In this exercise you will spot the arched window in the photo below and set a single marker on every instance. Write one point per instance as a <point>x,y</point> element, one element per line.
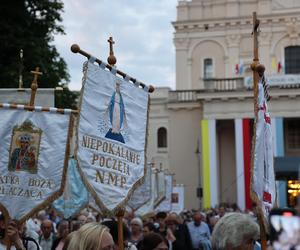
<point>208,68</point>
<point>292,59</point>
<point>162,138</point>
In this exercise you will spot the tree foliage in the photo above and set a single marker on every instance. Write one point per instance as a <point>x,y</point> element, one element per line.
<point>30,25</point>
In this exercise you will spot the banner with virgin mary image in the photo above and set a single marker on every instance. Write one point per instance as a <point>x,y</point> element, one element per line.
<point>111,136</point>
<point>33,153</point>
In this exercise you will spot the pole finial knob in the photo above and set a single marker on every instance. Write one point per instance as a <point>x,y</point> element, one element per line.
<point>260,69</point>
<point>75,48</point>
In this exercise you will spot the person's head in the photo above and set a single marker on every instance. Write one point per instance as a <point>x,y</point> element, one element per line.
<point>63,229</point>
<point>160,218</point>
<point>154,241</point>
<point>172,221</point>
<point>136,225</point>
<point>46,228</point>
<point>197,217</point>
<point>222,211</point>
<point>24,140</point>
<point>235,231</point>
<point>148,227</point>
<point>90,218</point>
<point>82,219</point>
<point>91,236</point>
<point>42,215</point>
<point>112,225</point>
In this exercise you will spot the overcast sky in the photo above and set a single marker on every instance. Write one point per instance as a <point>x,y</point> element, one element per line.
<point>142,31</point>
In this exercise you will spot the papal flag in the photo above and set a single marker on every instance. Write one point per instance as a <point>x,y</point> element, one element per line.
<point>263,179</point>
<point>33,158</point>
<point>111,135</point>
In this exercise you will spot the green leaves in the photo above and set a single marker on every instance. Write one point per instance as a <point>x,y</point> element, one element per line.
<point>30,25</point>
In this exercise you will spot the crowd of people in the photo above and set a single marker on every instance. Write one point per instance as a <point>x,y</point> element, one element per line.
<point>219,229</point>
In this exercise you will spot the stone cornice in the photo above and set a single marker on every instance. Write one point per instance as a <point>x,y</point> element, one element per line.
<point>184,105</point>
<point>217,23</point>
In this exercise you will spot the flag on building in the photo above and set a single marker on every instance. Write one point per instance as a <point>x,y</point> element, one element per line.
<point>111,135</point>
<point>237,69</point>
<point>274,64</point>
<point>33,158</point>
<point>241,67</point>
<point>279,67</point>
<point>263,178</point>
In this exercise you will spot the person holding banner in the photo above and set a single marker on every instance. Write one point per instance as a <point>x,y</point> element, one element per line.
<point>13,236</point>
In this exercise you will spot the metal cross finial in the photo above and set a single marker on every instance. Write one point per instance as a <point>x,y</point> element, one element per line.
<point>21,71</point>
<point>34,85</point>
<point>111,59</point>
<point>111,43</point>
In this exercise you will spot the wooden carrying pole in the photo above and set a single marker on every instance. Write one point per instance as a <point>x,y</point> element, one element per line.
<point>257,73</point>
<point>120,214</point>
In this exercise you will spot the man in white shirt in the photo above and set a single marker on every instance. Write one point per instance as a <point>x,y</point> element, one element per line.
<point>46,239</point>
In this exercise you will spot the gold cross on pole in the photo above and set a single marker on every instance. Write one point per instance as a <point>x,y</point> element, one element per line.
<point>34,85</point>
<point>111,59</point>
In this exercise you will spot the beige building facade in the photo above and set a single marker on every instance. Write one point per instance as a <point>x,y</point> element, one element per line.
<point>201,131</point>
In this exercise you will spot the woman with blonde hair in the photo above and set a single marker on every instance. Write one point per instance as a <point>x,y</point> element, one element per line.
<point>91,236</point>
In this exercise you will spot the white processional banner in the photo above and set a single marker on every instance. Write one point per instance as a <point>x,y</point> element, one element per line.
<point>33,159</point>
<point>166,204</point>
<point>161,188</point>
<point>112,130</point>
<point>148,208</point>
<point>263,179</point>
<point>178,199</point>
<point>142,194</point>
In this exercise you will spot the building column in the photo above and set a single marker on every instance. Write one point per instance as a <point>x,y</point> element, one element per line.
<point>247,161</point>
<point>209,163</point>
<point>279,137</point>
<point>239,158</point>
<point>278,149</point>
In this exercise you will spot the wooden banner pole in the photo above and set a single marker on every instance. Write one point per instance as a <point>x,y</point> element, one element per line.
<point>120,215</point>
<point>257,71</point>
<point>76,49</point>
<point>34,85</point>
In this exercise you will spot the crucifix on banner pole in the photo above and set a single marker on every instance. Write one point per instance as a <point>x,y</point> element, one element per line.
<point>36,73</point>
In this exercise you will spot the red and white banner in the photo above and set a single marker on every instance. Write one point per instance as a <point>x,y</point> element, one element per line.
<point>263,179</point>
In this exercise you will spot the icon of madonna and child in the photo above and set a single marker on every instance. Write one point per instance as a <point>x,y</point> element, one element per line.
<point>116,116</point>
<point>24,149</point>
